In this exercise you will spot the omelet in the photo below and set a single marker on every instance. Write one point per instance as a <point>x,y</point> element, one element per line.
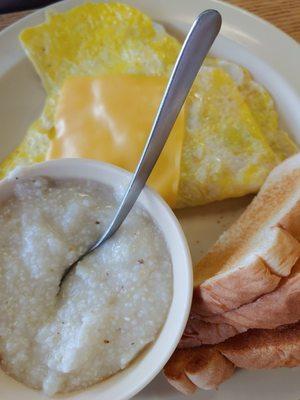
<point>90,39</point>
<point>97,38</point>
<point>231,126</point>
<point>262,107</point>
<point>224,152</point>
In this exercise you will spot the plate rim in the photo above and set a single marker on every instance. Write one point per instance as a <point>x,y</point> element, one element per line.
<point>290,44</point>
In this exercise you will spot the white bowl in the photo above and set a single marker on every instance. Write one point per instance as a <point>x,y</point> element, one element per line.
<point>128,382</point>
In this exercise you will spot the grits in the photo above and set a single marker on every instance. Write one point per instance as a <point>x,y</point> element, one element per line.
<point>109,308</point>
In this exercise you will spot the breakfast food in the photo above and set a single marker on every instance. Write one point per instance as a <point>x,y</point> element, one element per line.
<point>199,332</point>
<point>249,306</point>
<point>224,152</point>
<point>206,367</point>
<point>258,250</point>
<point>203,367</point>
<point>231,138</point>
<point>279,307</point>
<point>112,305</point>
<point>261,105</point>
<point>112,135</point>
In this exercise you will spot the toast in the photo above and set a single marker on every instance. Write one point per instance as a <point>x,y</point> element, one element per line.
<point>206,367</point>
<point>250,259</point>
<point>203,367</point>
<point>198,332</point>
<point>280,307</point>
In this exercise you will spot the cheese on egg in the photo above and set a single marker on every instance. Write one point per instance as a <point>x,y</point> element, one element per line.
<point>109,118</point>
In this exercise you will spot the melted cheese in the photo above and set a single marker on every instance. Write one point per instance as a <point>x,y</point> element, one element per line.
<point>109,118</point>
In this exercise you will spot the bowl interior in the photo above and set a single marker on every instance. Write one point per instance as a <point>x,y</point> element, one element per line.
<point>143,369</point>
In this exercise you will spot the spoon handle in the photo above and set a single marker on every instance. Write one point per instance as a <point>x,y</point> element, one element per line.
<point>196,46</point>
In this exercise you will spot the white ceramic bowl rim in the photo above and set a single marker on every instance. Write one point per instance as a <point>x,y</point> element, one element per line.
<point>132,379</point>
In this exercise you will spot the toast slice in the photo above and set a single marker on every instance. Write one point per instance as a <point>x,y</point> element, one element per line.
<point>280,307</point>
<point>203,367</point>
<point>206,367</point>
<point>265,348</point>
<point>250,259</point>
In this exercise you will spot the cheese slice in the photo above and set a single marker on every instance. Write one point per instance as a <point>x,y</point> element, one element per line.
<point>109,118</point>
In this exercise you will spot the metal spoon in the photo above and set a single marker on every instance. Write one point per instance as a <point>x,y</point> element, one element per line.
<point>196,46</point>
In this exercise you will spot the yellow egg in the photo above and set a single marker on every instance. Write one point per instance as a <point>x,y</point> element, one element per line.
<point>224,152</point>
<point>261,105</point>
<point>231,125</point>
<point>96,38</point>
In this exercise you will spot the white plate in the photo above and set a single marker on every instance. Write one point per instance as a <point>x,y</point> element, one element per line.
<point>271,56</point>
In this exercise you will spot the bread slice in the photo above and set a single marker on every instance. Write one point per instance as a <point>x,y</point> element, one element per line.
<point>175,370</point>
<point>280,307</point>
<point>206,367</point>
<point>250,258</point>
<point>202,367</point>
<point>264,349</point>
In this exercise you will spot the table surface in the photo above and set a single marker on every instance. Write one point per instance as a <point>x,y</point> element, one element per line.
<point>285,14</point>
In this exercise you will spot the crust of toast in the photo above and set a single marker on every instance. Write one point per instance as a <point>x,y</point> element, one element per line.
<point>290,222</point>
<point>175,371</point>
<point>259,249</point>
<point>264,349</point>
<point>208,366</point>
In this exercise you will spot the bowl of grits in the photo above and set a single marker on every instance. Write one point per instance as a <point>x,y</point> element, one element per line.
<point>118,316</point>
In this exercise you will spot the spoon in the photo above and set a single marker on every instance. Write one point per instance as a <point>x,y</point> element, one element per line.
<point>196,46</point>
